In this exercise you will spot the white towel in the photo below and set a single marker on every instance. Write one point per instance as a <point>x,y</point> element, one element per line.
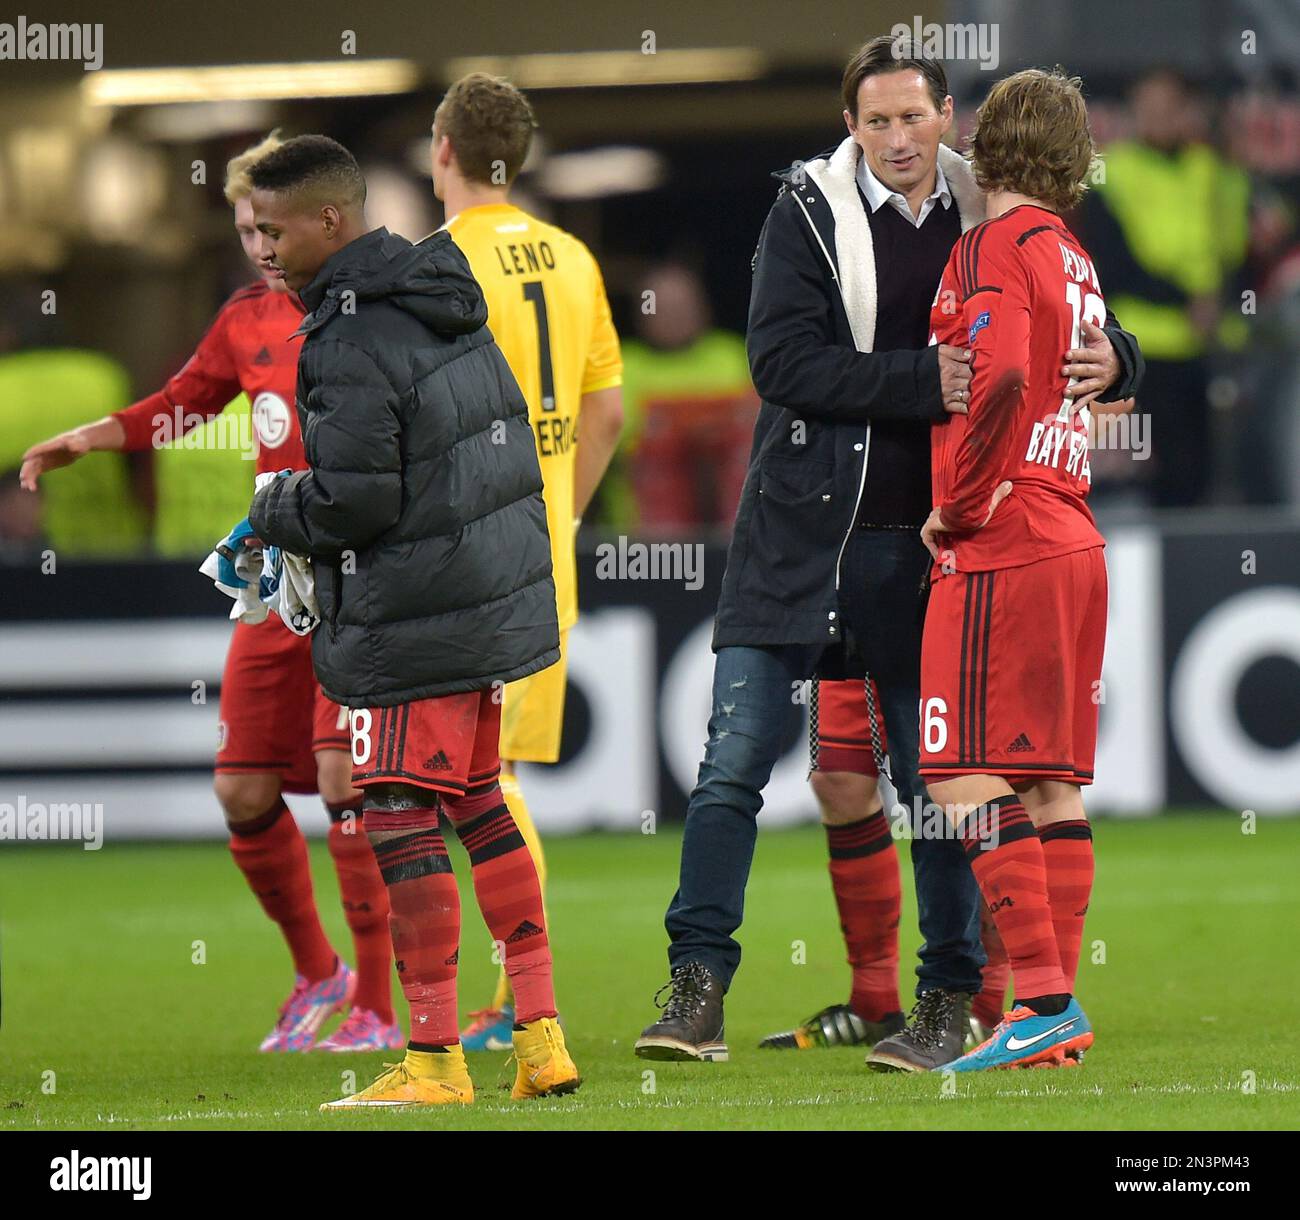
<point>262,579</point>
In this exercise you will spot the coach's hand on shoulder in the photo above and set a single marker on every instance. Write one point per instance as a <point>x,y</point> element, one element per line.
<point>1095,365</point>
<point>954,378</point>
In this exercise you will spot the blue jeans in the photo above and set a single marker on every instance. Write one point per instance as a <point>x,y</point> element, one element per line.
<point>751,719</point>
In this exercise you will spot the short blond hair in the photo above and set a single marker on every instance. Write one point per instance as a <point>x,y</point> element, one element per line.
<point>1031,136</point>
<point>238,184</point>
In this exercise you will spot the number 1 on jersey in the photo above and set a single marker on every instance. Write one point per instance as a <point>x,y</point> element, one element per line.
<point>1090,308</point>
<point>536,293</point>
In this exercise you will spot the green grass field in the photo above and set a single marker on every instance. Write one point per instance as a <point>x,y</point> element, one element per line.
<point>1194,1004</point>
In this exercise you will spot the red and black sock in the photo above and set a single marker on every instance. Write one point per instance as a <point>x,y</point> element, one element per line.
<point>868,895</point>
<point>1067,854</point>
<point>424,917</point>
<point>988,1007</point>
<point>272,854</point>
<point>505,882</point>
<point>1007,858</point>
<point>365,906</point>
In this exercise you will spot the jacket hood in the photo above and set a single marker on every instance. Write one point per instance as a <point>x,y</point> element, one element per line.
<point>430,280</point>
<point>790,174</point>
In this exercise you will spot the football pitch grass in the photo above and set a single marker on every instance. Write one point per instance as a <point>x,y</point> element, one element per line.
<point>1194,1004</point>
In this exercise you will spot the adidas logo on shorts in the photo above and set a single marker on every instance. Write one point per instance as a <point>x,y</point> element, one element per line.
<point>437,763</point>
<point>1020,745</point>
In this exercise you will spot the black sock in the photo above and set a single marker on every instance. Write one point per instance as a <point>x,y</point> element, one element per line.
<point>1045,1005</point>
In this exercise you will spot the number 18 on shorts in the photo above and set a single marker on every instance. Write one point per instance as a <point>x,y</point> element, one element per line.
<point>446,744</point>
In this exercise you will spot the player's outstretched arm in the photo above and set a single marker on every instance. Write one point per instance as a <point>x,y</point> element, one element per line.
<point>202,389</point>
<point>64,449</point>
<point>600,422</point>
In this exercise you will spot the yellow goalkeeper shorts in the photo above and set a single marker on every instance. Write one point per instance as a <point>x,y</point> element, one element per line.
<point>532,712</point>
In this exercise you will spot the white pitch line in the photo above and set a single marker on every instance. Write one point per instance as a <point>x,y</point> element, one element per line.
<point>574,1105</point>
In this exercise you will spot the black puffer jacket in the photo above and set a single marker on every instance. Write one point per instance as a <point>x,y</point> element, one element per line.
<point>422,511</point>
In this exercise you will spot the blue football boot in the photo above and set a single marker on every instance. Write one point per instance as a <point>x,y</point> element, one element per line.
<point>489,1029</point>
<point>1024,1039</point>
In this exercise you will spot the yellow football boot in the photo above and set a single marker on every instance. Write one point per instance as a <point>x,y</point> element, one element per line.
<point>421,1079</point>
<point>544,1068</point>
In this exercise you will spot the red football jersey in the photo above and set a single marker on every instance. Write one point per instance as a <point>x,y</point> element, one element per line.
<point>1013,292</point>
<point>248,347</point>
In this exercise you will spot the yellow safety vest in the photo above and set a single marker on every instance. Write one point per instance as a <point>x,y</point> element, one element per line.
<point>1185,218</point>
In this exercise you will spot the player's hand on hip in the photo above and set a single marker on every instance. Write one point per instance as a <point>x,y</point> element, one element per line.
<point>1000,493</point>
<point>1095,366</point>
<point>930,532</point>
<point>954,378</point>
<point>935,524</point>
<point>61,450</point>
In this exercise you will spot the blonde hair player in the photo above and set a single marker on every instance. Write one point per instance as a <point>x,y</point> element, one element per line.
<point>277,731</point>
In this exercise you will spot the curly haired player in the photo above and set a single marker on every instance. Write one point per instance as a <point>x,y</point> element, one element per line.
<point>1016,624</point>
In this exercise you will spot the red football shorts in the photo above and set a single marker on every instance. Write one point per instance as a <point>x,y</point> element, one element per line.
<point>450,743</point>
<point>274,716</point>
<point>844,727</point>
<point>1011,671</point>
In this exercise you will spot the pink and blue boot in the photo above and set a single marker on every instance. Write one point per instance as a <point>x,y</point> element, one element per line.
<point>364,1030</point>
<point>308,1007</point>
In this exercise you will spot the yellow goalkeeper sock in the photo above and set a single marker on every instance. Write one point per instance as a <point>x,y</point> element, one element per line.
<point>518,807</point>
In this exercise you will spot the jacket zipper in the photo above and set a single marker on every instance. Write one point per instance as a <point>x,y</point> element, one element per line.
<point>866,453</point>
<point>336,598</point>
<point>866,447</point>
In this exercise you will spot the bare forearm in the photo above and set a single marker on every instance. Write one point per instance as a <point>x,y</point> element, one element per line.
<point>600,421</point>
<point>106,433</point>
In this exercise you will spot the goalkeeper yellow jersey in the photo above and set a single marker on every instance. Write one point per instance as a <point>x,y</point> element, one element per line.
<point>549,314</point>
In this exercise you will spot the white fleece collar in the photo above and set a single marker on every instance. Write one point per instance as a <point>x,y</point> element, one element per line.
<point>854,251</point>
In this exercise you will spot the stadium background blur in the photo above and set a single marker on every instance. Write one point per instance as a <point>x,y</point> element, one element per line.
<point>659,126</point>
